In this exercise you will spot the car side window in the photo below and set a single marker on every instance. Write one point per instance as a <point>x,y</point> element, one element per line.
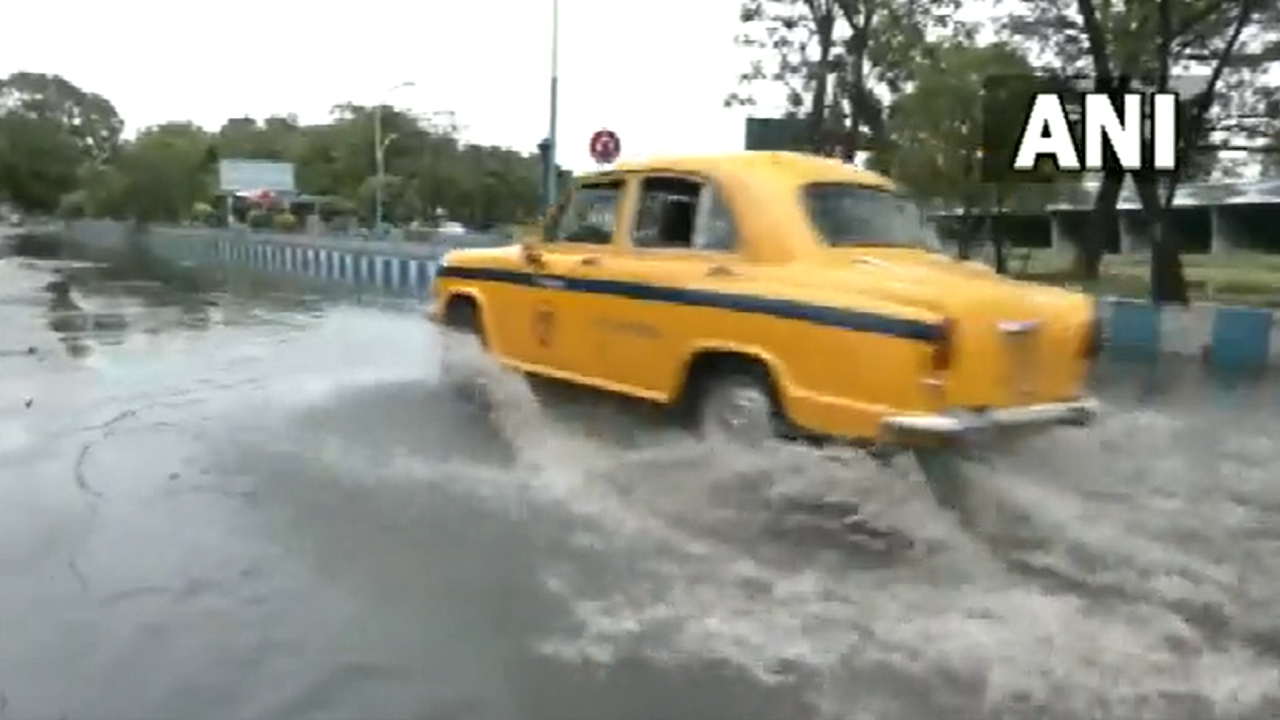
<point>714,229</point>
<point>590,215</point>
<point>682,214</point>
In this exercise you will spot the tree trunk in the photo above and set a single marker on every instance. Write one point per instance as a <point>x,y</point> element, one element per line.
<point>1103,222</point>
<point>963,242</point>
<point>964,246</point>
<point>1104,229</point>
<point>857,44</point>
<point>824,19</point>
<point>995,238</point>
<point>1168,281</point>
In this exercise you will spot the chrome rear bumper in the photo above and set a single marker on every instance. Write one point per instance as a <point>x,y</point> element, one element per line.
<point>966,423</point>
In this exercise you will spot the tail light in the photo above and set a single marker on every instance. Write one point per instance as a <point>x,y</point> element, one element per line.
<point>1093,339</point>
<point>942,346</point>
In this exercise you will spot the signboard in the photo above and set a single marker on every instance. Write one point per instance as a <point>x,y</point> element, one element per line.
<point>605,146</point>
<point>779,134</point>
<point>251,175</point>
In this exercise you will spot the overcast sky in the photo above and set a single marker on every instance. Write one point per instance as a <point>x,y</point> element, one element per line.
<point>655,72</point>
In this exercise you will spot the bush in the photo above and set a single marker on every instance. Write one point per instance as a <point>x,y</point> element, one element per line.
<point>73,206</point>
<point>259,219</point>
<point>284,221</point>
<point>201,212</point>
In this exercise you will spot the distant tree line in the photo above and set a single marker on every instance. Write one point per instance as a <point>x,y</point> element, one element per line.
<point>62,150</point>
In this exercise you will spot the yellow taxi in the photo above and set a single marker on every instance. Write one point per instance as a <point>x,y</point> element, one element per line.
<point>774,294</point>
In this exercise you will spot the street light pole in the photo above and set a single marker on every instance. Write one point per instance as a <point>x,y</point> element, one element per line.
<point>380,156</point>
<point>549,180</point>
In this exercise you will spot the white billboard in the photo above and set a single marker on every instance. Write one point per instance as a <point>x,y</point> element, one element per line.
<point>249,175</point>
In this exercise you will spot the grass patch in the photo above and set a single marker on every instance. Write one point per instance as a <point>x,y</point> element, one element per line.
<point>1237,278</point>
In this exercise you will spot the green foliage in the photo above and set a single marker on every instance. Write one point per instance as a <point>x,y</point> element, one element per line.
<point>284,221</point>
<point>258,219</point>
<point>937,126</point>
<point>73,205</point>
<point>900,78</point>
<point>877,73</point>
<point>834,61</point>
<point>39,162</point>
<point>49,130</point>
<point>1234,42</point>
<point>56,140</point>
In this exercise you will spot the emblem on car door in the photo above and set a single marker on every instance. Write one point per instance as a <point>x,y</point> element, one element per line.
<point>544,325</point>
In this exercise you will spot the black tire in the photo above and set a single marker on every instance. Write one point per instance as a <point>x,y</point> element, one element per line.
<point>462,316</point>
<point>461,345</point>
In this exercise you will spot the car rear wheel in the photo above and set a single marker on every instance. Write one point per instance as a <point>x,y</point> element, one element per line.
<point>462,349</point>
<point>737,408</point>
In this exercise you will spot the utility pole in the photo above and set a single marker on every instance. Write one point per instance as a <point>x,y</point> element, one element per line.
<point>549,153</point>
<point>380,156</point>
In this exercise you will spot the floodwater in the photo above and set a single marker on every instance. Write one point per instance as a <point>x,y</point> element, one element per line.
<point>258,504</point>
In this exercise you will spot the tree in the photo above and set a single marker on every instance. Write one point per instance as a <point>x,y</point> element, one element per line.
<point>49,128</point>
<point>39,162</point>
<point>60,149</point>
<point>90,119</point>
<point>939,143</point>
<point>1228,39</point>
<point>164,173</point>
<point>1271,166</point>
<point>837,60</point>
<point>936,127</point>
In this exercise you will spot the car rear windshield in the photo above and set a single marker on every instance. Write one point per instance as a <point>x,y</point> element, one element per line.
<point>848,215</point>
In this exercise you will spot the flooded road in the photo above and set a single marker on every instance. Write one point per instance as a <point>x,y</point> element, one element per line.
<point>257,504</point>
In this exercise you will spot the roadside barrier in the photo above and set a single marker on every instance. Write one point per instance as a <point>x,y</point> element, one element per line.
<point>1228,338</point>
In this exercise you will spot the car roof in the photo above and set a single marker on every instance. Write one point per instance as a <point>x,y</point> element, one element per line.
<point>788,167</point>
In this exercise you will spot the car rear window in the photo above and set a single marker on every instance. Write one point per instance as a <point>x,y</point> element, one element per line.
<point>849,215</point>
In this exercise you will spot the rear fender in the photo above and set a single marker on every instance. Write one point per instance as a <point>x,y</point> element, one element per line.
<point>469,293</point>
<point>777,369</point>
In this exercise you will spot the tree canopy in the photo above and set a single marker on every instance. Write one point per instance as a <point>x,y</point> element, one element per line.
<point>901,80</point>
<point>62,147</point>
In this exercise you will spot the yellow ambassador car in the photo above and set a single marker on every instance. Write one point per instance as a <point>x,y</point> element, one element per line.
<point>774,294</point>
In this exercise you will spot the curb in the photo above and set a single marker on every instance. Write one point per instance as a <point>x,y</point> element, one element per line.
<point>1226,337</point>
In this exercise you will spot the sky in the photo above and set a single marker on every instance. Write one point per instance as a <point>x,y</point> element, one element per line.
<point>655,72</point>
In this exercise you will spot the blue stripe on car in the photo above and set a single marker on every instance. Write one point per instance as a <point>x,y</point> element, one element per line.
<point>853,320</point>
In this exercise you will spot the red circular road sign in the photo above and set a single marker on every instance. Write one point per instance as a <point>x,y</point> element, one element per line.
<point>605,146</point>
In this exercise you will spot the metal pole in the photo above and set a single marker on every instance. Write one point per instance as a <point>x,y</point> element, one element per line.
<point>379,154</point>
<point>378,165</point>
<point>550,181</point>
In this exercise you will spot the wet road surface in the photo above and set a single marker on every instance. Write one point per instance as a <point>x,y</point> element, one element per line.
<point>261,505</point>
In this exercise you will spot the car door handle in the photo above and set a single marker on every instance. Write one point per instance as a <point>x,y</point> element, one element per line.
<point>590,261</point>
<point>553,283</point>
<point>720,271</point>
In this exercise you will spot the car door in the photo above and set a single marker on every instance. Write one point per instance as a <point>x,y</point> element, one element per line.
<point>582,234</point>
<point>678,252</point>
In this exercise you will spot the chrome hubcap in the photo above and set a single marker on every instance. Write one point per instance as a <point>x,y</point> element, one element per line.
<point>739,414</point>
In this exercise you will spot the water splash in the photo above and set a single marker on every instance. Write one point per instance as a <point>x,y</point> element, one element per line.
<point>1091,616</point>
<point>1123,571</point>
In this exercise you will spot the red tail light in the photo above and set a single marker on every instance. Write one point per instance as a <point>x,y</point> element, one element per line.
<point>942,346</point>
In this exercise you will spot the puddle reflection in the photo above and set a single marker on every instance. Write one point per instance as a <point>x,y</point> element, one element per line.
<point>80,329</point>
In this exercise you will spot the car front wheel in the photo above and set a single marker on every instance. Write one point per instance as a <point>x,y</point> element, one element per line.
<point>737,409</point>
